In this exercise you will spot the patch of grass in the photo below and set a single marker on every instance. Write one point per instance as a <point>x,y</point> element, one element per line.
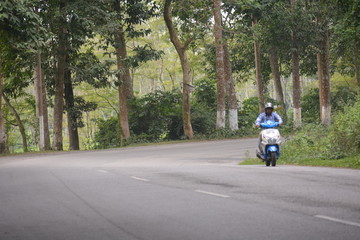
<point>347,162</point>
<point>252,161</point>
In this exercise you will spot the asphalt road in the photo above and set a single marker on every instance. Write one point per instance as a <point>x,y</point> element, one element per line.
<point>194,191</point>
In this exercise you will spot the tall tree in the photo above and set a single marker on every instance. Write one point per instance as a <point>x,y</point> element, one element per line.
<point>230,90</point>
<point>220,66</point>
<point>258,69</point>
<point>120,25</point>
<point>324,79</point>
<point>181,50</point>
<point>295,71</point>
<point>323,64</point>
<point>74,143</point>
<point>19,31</point>
<point>41,104</point>
<point>60,77</point>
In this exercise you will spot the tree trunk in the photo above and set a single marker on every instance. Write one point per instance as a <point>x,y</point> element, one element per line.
<point>274,64</point>
<point>295,70</point>
<point>296,89</point>
<point>71,116</point>
<point>324,79</point>
<point>3,148</point>
<point>259,81</point>
<point>18,122</point>
<point>41,105</point>
<point>181,50</point>
<point>220,66</point>
<point>59,82</point>
<point>230,91</point>
<point>123,76</point>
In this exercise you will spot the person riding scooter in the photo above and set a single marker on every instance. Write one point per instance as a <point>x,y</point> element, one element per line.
<point>265,116</point>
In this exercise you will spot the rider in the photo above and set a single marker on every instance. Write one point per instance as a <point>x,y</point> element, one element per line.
<point>265,116</point>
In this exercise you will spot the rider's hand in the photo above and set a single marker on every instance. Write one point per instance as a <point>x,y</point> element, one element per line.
<point>258,126</point>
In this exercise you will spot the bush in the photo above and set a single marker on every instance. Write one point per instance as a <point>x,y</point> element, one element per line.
<point>340,140</point>
<point>157,116</point>
<point>340,98</point>
<point>107,135</point>
<point>202,119</point>
<point>345,131</point>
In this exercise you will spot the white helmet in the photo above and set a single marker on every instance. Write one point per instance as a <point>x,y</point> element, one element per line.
<point>269,105</point>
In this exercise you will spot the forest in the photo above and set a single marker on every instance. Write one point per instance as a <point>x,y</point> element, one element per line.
<point>94,74</point>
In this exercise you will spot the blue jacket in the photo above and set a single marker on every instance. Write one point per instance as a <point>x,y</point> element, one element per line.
<point>263,117</point>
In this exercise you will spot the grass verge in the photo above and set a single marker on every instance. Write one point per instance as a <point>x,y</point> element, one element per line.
<point>348,162</point>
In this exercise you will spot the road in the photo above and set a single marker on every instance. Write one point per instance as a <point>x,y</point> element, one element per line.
<point>194,191</point>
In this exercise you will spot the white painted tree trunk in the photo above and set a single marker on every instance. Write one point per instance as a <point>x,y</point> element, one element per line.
<point>41,105</point>
<point>220,66</point>
<point>297,117</point>
<point>233,119</point>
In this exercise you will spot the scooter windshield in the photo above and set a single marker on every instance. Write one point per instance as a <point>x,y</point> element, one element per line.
<point>269,124</point>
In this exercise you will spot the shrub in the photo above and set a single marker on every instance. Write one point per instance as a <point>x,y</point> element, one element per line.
<point>157,116</point>
<point>107,135</point>
<point>341,139</point>
<point>340,98</point>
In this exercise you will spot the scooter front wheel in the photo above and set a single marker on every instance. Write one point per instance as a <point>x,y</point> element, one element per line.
<point>268,162</point>
<point>273,159</point>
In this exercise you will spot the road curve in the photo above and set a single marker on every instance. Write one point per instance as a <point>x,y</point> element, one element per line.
<point>194,191</point>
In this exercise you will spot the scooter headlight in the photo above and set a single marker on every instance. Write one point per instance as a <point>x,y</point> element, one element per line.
<point>271,140</point>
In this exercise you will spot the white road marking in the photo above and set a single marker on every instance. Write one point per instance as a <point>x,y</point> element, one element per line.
<point>212,194</point>
<point>103,171</point>
<point>140,179</point>
<point>338,220</point>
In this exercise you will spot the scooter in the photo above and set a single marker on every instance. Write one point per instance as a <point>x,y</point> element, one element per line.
<point>270,143</point>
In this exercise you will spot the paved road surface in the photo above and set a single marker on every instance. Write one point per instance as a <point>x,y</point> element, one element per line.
<point>193,191</point>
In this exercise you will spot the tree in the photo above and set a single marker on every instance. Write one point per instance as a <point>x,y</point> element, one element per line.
<point>295,71</point>
<point>120,25</point>
<point>60,77</point>
<point>258,69</point>
<point>41,104</point>
<point>230,90</point>
<point>324,77</point>
<point>19,31</point>
<point>220,66</point>
<point>181,50</point>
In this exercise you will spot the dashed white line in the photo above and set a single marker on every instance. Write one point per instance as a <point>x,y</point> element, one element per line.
<point>212,194</point>
<point>338,220</point>
<point>140,179</point>
<point>103,171</point>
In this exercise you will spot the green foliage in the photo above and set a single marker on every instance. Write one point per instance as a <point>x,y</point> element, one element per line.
<point>80,106</point>
<point>157,116</point>
<point>316,142</point>
<point>202,119</point>
<point>340,98</point>
<point>107,135</point>
<point>205,93</point>
<point>345,131</point>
